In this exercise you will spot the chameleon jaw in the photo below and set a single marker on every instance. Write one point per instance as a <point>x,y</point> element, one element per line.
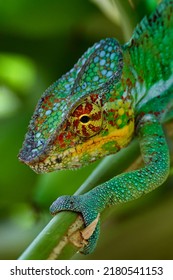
<point>82,154</point>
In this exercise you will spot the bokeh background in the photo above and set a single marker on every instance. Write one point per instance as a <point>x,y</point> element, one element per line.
<point>40,41</point>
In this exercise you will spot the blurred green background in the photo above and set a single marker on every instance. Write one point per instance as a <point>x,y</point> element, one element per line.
<point>40,41</point>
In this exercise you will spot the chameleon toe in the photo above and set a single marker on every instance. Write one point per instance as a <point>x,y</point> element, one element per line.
<point>77,204</point>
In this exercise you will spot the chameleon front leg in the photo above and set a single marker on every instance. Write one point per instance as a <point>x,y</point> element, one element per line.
<point>127,186</point>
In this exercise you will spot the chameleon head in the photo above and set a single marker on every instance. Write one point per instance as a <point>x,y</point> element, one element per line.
<point>85,115</point>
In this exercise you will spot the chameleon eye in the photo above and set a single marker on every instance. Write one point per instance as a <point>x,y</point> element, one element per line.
<point>86,119</point>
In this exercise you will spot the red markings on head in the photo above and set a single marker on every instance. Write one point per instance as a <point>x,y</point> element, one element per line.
<point>94,128</point>
<point>82,109</point>
<point>76,123</point>
<point>68,135</point>
<point>94,97</point>
<point>88,108</point>
<point>84,131</point>
<point>78,112</point>
<point>96,116</point>
<point>61,137</point>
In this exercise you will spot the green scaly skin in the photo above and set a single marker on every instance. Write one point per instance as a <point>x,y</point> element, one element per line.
<point>112,93</point>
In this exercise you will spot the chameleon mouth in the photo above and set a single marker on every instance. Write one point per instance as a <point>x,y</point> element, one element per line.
<point>27,157</point>
<point>33,152</point>
<point>33,164</point>
<point>43,163</point>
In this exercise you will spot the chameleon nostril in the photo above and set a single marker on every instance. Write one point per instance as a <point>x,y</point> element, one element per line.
<point>58,160</point>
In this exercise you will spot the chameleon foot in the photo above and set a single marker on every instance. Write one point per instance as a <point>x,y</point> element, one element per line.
<point>80,204</point>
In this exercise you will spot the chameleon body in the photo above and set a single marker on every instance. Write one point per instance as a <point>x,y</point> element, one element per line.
<point>112,93</point>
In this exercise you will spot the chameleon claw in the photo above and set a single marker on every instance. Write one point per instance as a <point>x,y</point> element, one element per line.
<point>79,204</point>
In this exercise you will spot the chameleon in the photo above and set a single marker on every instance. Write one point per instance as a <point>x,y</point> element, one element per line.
<point>112,94</point>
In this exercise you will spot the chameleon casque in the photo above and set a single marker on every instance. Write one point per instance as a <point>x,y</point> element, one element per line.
<point>112,93</point>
